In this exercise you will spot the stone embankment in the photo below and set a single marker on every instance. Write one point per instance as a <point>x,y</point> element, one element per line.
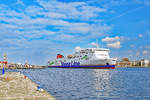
<point>16,86</point>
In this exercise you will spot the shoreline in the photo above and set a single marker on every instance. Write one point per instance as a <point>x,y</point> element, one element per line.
<point>68,68</point>
<point>16,86</point>
<point>35,67</point>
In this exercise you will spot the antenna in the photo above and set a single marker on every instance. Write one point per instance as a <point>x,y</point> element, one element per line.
<point>97,46</point>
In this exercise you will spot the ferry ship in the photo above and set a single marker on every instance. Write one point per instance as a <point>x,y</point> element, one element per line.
<point>97,58</point>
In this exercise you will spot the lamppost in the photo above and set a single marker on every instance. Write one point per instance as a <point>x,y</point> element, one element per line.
<point>4,63</point>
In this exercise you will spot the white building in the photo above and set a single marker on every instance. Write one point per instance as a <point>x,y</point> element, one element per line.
<point>144,62</point>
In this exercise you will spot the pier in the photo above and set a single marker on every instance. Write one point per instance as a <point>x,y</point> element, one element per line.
<point>16,86</point>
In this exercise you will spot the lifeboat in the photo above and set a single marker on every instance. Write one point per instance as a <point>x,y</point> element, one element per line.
<point>69,56</point>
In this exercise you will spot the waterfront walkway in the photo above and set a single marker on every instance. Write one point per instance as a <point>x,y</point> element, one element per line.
<point>16,86</point>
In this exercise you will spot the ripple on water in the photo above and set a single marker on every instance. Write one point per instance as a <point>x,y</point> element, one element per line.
<point>93,84</point>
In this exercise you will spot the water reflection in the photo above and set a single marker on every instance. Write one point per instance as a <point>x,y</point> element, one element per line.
<point>102,82</point>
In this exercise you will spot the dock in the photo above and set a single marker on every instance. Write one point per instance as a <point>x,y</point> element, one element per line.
<point>16,86</point>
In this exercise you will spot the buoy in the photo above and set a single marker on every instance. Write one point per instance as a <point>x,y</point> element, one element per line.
<point>38,88</point>
<point>25,77</point>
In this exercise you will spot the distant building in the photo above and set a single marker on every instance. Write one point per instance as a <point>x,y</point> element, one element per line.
<point>144,62</point>
<point>3,64</point>
<point>124,63</point>
<point>125,59</point>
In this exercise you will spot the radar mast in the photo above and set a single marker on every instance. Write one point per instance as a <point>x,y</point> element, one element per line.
<point>97,45</point>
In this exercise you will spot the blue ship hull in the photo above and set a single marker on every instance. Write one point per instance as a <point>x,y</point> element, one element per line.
<point>92,66</point>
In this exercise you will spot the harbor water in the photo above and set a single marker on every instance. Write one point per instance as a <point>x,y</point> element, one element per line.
<point>92,84</point>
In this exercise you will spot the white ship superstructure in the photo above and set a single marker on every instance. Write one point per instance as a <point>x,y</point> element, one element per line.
<point>85,58</point>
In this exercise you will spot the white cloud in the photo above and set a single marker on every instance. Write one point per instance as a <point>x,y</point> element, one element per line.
<point>130,56</point>
<point>77,48</point>
<point>137,54</point>
<point>146,2</point>
<point>87,12</point>
<point>93,30</point>
<point>54,14</point>
<point>148,32</point>
<point>65,37</point>
<point>132,46</point>
<point>50,21</point>
<point>112,42</point>
<point>114,45</point>
<point>20,2</point>
<point>98,30</point>
<point>73,10</point>
<point>94,44</point>
<point>145,52</point>
<point>34,10</point>
<point>110,39</point>
<point>77,29</point>
<point>82,28</point>
<point>129,51</point>
<point>140,35</point>
<point>148,47</point>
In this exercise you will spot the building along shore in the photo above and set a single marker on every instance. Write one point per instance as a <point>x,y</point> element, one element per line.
<point>126,63</point>
<point>20,66</point>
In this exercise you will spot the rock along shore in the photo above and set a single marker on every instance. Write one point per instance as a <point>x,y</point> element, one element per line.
<point>16,86</point>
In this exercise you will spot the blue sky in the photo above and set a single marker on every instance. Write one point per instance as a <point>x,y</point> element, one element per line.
<point>36,30</point>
